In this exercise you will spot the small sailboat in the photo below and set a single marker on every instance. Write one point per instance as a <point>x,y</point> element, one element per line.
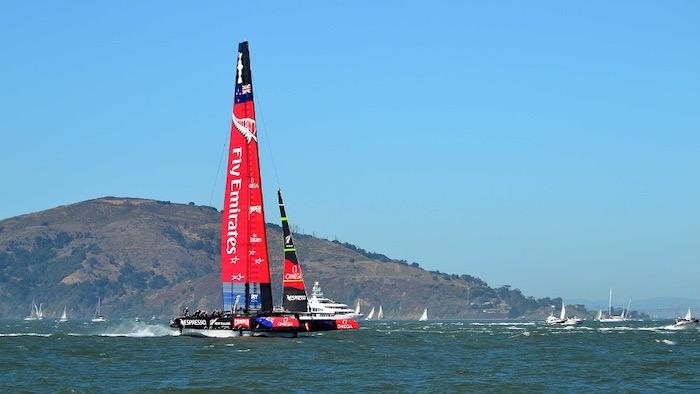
<point>64,316</point>
<point>357,308</point>
<point>424,316</point>
<point>370,315</point>
<point>563,320</point>
<point>688,321</point>
<point>98,318</point>
<point>34,313</point>
<point>380,315</point>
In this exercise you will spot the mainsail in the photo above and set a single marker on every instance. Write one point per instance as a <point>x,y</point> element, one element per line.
<point>562,315</point>
<point>293,292</point>
<point>245,270</point>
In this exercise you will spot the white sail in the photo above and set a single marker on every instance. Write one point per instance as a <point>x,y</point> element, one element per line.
<point>64,315</point>
<point>98,318</point>
<point>380,315</point>
<point>610,304</point>
<point>370,315</point>
<point>357,308</point>
<point>688,316</point>
<point>600,314</point>
<point>562,315</point>
<point>32,312</point>
<point>424,316</point>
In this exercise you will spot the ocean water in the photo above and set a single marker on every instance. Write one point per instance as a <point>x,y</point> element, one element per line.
<point>402,356</point>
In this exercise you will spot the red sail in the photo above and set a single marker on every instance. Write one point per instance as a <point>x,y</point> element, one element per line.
<point>245,271</point>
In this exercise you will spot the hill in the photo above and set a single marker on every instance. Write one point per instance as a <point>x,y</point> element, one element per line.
<point>147,257</point>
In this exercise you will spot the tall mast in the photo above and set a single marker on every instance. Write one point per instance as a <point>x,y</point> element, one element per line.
<point>610,303</point>
<point>245,270</point>
<point>293,289</point>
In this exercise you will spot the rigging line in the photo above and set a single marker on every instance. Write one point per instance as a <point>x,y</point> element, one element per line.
<point>268,141</point>
<point>218,170</point>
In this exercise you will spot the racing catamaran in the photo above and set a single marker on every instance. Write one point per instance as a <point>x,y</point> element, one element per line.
<point>245,269</point>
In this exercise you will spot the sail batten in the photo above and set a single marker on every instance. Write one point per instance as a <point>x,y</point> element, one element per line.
<point>245,270</point>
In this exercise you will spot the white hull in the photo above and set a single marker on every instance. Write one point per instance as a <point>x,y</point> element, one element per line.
<point>612,320</point>
<point>327,316</point>
<point>98,320</point>
<point>683,325</point>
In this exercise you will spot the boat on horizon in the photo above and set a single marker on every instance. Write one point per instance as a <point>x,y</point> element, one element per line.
<point>64,315</point>
<point>610,318</point>
<point>424,316</point>
<point>370,315</point>
<point>687,321</point>
<point>245,268</point>
<point>380,314</point>
<point>98,317</point>
<point>35,312</point>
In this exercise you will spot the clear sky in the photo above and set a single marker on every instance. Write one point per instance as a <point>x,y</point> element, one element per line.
<point>553,147</point>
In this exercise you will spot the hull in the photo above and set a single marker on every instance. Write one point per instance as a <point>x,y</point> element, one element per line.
<point>685,324</point>
<point>612,320</point>
<point>266,326</point>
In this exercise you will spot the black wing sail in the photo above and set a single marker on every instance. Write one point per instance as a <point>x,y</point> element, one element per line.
<point>294,291</point>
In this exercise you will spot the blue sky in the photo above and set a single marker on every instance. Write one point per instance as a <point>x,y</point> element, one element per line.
<point>553,147</point>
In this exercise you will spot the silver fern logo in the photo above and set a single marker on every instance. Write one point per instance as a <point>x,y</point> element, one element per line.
<point>245,126</point>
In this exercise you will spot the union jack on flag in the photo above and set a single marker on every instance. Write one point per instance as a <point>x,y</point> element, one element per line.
<point>245,89</point>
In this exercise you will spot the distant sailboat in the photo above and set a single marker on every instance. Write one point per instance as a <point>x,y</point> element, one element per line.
<point>610,318</point>
<point>563,319</point>
<point>370,315</point>
<point>33,313</point>
<point>357,308</point>
<point>688,321</point>
<point>64,315</point>
<point>424,316</point>
<point>98,318</point>
<point>380,315</point>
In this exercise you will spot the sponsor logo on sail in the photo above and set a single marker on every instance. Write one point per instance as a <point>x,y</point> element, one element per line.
<point>294,274</point>
<point>296,297</point>
<point>232,207</point>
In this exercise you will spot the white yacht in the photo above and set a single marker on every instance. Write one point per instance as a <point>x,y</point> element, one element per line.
<point>688,321</point>
<point>321,306</point>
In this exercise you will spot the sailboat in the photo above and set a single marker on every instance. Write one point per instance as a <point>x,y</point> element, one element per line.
<point>424,316</point>
<point>610,318</point>
<point>245,267</point>
<point>34,313</point>
<point>357,309</point>
<point>64,315</point>
<point>688,321</point>
<point>563,320</point>
<point>97,317</point>
<point>370,315</point>
<point>380,315</point>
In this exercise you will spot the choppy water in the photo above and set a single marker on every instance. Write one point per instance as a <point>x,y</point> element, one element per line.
<point>382,356</point>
